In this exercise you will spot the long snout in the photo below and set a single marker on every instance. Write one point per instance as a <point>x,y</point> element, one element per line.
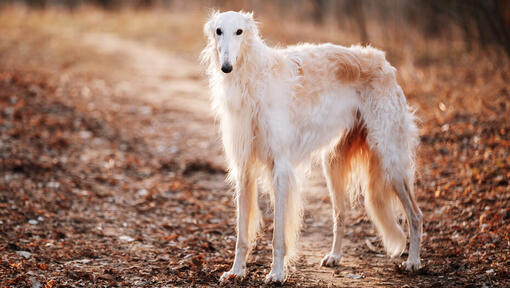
<point>228,54</point>
<point>226,67</point>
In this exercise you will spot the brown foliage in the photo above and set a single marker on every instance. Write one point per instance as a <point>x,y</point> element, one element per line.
<point>106,185</point>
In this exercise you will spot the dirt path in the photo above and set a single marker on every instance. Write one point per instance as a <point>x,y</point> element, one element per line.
<point>167,80</point>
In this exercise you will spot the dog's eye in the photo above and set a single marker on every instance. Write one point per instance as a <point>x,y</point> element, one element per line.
<point>218,31</point>
<point>239,31</point>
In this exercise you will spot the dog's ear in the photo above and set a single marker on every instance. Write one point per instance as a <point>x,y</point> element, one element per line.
<point>209,25</point>
<point>208,57</point>
<point>252,25</point>
<point>247,15</point>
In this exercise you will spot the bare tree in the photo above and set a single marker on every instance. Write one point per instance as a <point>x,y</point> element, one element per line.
<point>319,10</point>
<point>37,3</point>
<point>487,22</point>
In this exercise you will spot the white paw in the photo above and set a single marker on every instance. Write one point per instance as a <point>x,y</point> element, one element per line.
<point>331,260</point>
<point>276,277</point>
<point>232,275</point>
<point>411,265</point>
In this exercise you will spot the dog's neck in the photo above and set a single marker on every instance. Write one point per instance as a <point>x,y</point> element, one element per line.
<point>253,60</point>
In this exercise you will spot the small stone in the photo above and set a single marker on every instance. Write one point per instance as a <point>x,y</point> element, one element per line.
<point>32,222</point>
<point>354,276</point>
<point>35,283</point>
<point>52,184</point>
<point>24,254</point>
<point>142,192</point>
<point>145,110</point>
<point>85,134</point>
<point>173,149</point>
<point>126,238</point>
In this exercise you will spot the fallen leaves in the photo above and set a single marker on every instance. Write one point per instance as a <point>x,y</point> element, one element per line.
<point>95,190</point>
<point>95,208</point>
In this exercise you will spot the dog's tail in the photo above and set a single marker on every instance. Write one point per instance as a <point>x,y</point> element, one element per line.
<point>381,203</point>
<point>392,138</point>
<point>367,179</point>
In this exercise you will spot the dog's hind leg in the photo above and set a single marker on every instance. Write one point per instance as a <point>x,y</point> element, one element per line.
<point>414,218</point>
<point>336,167</point>
<point>335,178</point>
<point>248,221</point>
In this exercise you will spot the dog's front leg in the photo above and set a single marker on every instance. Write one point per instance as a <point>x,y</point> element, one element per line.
<point>282,176</point>
<point>247,218</point>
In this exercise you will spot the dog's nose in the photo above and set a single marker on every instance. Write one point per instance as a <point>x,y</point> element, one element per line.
<point>226,68</point>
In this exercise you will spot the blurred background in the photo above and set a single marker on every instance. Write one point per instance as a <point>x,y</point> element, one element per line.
<point>424,39</point>
<point>470,22</point>
<point>112,172</point>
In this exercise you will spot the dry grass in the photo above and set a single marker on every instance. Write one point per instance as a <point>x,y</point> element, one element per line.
<point>431,71</point>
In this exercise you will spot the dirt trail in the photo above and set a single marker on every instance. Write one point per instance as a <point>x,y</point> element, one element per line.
<point>170,81</point>
<point>164,78</point>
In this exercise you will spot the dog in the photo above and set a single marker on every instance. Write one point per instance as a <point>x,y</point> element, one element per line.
<point>277,107</point>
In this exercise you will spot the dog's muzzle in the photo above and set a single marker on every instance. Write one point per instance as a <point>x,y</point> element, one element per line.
<point>226,68</point>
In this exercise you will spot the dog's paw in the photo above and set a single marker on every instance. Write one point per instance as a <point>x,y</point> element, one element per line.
<point>275,277</point>
<point>232,275</point>
<point>411,265</point>
<point>331,260</point>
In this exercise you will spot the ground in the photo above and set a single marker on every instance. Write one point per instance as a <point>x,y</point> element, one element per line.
<point>112,173</point>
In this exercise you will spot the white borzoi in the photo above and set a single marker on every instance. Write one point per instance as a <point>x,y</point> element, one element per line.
<point>278,106</point>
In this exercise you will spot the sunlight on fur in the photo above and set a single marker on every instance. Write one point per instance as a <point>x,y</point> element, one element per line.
<point>279,106</point>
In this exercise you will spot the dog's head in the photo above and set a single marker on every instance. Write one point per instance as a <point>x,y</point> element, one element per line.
<point>227,33</point>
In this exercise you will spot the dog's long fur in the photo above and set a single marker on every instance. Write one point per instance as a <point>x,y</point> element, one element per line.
<point>281,105</point>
